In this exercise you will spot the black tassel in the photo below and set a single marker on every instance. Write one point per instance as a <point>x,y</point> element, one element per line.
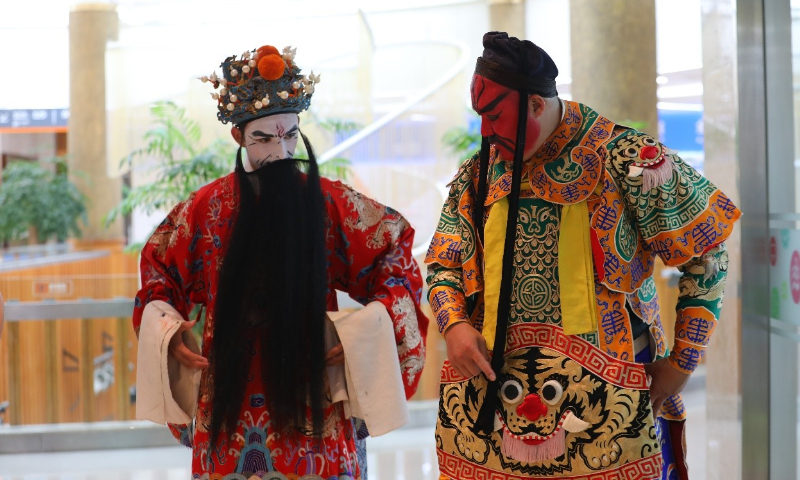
<point>239,164</point>
<point>485,421</point>
<point>483,173</point>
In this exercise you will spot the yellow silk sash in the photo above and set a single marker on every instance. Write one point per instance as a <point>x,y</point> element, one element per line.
<point>494,235</point>
<point>575,269</point>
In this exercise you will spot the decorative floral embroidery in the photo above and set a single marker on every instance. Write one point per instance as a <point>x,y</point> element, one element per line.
<point>369,256</point>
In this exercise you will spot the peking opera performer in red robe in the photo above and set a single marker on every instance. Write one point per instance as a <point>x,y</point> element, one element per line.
<point>264,250</point>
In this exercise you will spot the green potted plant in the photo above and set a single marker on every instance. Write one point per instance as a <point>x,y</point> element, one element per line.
<point>181,167</point>
<point>38,203</point>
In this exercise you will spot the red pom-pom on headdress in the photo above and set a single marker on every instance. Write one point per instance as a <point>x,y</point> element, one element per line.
<point>271,67</point>
<point>267,50</point>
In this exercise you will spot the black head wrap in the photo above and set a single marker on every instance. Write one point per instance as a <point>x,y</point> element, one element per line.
<point>501,60</point>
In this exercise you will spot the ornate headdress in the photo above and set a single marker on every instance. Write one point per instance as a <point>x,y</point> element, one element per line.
<point>261,82</point>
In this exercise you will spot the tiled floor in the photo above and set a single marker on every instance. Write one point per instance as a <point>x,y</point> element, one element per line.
<point>406,454</point>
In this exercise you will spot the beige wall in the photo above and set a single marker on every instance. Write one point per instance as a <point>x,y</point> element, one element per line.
<point>26,145</point>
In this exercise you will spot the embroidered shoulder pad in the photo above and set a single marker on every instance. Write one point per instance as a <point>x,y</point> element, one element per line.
<point>634,154</point>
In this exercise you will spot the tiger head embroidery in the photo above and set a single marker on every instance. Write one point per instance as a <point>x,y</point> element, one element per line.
<point>536,414</point>
<point>640,155</point>
<point>554,417</point>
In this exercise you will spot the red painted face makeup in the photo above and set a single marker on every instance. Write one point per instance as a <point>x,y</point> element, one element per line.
<point>498,108</point>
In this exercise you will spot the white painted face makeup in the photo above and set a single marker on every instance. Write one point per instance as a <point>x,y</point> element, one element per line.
<point>270,138</point>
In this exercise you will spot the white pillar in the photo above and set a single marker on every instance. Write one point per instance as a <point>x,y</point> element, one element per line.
<point>91,26</point>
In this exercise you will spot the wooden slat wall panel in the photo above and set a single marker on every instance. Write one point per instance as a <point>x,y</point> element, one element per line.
<point>51,372</point>
<point>667,299</point>
<point>128,345</point>
<point>13,415</point>
<point>4,362</point>
<point>104,362</point>
<point>47,368</point>
<point>70,386</point>
<point>31,362</point>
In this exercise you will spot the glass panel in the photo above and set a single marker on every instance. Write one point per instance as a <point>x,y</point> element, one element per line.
<point>720,422</point>
<point>784,261</point>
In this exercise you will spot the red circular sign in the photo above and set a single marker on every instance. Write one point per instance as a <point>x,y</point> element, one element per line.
<point>773,251</point>
<point>794,276</point>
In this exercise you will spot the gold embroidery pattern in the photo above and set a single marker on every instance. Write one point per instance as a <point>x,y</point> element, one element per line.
<point>535,293</point>
<point>612,423</point>
<point>457,468</point>
<point>626,263</point>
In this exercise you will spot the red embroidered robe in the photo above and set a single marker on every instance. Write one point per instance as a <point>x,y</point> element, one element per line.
<point>368,249</point>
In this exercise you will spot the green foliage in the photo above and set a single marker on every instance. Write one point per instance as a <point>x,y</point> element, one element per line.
<point>337,168</point>
<point>179,167</point>
<point>338,125</point>
<point>637,125</point>
<point>462,141</point>
<point>33,196</point>
<point>171,155</point>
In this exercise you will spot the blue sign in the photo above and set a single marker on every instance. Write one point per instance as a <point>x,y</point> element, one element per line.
<point>46,117</point>
<point>681,130</point>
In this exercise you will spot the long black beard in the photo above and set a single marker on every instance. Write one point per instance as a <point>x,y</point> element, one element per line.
<point>271,297</point>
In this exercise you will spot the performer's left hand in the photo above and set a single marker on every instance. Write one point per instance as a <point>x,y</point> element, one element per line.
<point>335,356</point>
<point>665,381</point>
<point>180,352</point>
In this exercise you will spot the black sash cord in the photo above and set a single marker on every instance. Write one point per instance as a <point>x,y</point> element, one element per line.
<point>485,421</point>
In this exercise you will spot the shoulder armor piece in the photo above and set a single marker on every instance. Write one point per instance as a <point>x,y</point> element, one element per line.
<point>635,154</point>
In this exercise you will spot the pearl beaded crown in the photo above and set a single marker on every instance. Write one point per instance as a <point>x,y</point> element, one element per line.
<point>259,83</point>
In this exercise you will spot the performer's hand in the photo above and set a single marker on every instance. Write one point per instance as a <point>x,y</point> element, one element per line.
<point>178,350</point>
<point>335,356</point>
<point>466,350</point>
<point>665,381</point>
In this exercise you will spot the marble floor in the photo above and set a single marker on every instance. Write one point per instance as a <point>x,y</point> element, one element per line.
<point>406,454</point>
